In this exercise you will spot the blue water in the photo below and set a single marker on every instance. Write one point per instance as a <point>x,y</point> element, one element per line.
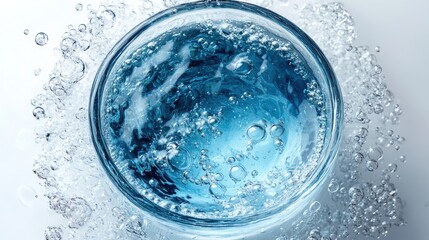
<point>215,121</point>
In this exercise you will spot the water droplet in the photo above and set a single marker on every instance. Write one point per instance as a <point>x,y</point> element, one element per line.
<point>256,133</point>
<point>41,38</point>
<point>237,173</point>
<point>276,130</point>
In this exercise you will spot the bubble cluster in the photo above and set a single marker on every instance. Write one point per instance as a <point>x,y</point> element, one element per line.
<point>362,198</point>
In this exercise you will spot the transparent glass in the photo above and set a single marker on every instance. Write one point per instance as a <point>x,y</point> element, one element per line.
<point>260,116</point>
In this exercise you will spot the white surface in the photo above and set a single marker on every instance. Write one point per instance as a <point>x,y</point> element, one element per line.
<point>400,27</point>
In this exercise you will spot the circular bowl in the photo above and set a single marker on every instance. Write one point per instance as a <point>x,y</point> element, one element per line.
<point>160,77</point>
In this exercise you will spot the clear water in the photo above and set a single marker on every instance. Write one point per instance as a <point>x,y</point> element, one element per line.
<point>215,121</point>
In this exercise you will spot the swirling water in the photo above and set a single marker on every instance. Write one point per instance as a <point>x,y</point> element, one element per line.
<point>203,120</point>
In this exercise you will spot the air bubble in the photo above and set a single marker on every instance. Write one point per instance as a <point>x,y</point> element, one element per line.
<point>333,186</point>
<point>375,153</point>
<point>217,190</point>
<point>371,165</point>
<point>237,173</point>
<point>315,206</point>
<point>41,38</point>
<point>26,31</point>
<point>276,130</point>
<point>256,133</point>
<point>78,7</point>
<point>39,113</point>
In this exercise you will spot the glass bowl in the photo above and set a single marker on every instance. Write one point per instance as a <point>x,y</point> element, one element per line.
<point>216,116</point>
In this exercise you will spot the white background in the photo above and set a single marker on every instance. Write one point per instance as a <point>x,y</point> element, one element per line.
<point>400,27</point>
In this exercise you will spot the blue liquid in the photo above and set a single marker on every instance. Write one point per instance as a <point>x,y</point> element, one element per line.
<point>214,121</point>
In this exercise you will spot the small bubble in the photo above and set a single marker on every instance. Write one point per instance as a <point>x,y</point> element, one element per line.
<point>256,133</point>
<point>371,165</point>
<point>37,72</point>
<point>392,167</point>
<point>41,38</point>
<point>237,173</point>
<point>78,7</point>
<point>333,186</point>
<point>378,49</point>
<point>276,130</point>
<point>136,225</point>
<point>402,159</point>
<point>254,173</point>
<point>375,153</point>
<point>39,113</point>
<point>81,27</point>
<point>26,31</point>
<point>315,206</point>
<point>217,190</point>
<point>378,108</point>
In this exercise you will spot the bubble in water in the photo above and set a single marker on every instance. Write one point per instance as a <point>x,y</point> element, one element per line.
<point>179,159</point>
<point>276,130</point>
<point>375,153</point>
<point>81,27</point>
<point>41,38</point>
<point>254,173</point>
<point>54,233</point>
<point>237,173</point>
<point>333,186</point>
<point>136,225</point>
<point>217,190</point>
<point>37,72</point>
<point>26,31</point>
<point>315,206</point>
<point>371,165</point>
<point>39,113</point>
<point>78,7</point>
<point>256,133</point>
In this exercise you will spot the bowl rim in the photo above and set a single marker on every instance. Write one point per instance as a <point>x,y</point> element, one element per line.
<point>328,153</point>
